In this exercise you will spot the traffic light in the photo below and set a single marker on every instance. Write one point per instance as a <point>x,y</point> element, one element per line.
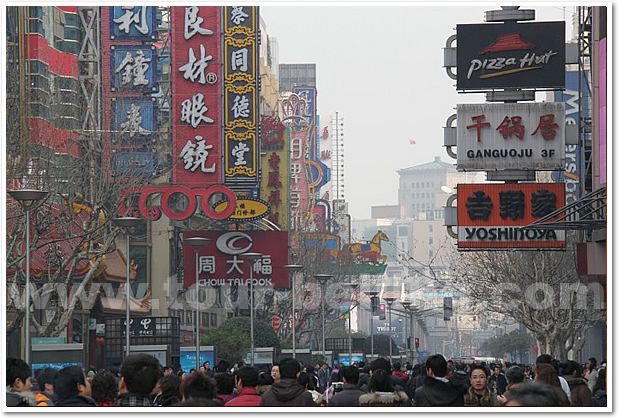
<point>417,343</point>
<point>374,306</point>
<point>76,336</point>
<point>382,312</point>
<point>448,308</point>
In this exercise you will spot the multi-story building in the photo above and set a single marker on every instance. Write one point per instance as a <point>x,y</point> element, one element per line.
<point>296,75</point>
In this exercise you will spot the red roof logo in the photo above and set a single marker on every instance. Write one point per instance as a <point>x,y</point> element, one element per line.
<point>507,42</point>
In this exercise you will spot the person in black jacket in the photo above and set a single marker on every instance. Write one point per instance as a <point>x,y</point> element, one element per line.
<point>72,388</point>
<point>436,389</point>
<point>350,393</point>
<point>497,381</point>
<point>19,383</point>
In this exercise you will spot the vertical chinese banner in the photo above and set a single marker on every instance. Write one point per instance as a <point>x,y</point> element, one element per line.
<point>275,146</point>
<point>196,92</point>
<point>129,78</point>
<point>241,97</point>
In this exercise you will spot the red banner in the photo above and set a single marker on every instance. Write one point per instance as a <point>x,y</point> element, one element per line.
<point>221,262</point>
<point>196,92</point>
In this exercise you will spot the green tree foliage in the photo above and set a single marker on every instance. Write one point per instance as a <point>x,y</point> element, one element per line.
<point>515,343</point>
<point>232,339</point>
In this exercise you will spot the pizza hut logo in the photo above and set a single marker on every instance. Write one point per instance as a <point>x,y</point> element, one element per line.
<point>500,62</point>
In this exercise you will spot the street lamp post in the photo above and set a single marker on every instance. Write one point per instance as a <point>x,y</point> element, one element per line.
<point>252,257</point>
<point>389,301</point>
<point>127,223</point>
<point>406,306</point>
<point>197,243</point>
<point>353,288</point>
<point>293,269</point>
<point>373,294</point>
<point>27,198</point>
<point>322,279</point>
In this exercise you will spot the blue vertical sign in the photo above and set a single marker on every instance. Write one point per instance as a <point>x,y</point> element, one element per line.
<point>572,170</point>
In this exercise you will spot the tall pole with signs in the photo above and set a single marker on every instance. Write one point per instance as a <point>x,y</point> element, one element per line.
<point>508,61</point>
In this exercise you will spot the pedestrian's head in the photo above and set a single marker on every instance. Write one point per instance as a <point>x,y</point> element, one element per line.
<point>225,383</point>
<point>380,364</point>
<point>168,370</point>
<point>70,382</point>
<point>46,379</point>
<point>306,381</point>
<point>396,366</point>
<point>380,382</point>
<point>198,385</point>
<point>275,372</point>
<point>139,374</point>
<point>207,365</point>
<point>543,359</point>
<point>514,374</point>
<point>247,376</point>
<point>479,377</point>
<point>593,362</point>
<point>18,374</point>
<point>350,375</point>
<point>170,386</point>
<point>436,365</point>
<point>571,368</point>
<point>497,370</point>
<point>536,394</point>
<point>547,374</point>
<point>104,388</point>
<point>289,368</point>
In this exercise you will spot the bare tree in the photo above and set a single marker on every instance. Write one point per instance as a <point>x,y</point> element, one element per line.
<point>539,289</point>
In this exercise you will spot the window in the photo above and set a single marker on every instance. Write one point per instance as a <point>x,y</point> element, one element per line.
<point>430,240</point>
<point>213,319</point>
<point>430,228</point>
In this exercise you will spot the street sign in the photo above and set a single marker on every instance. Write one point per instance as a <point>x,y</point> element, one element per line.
<point>510,136</point>
<point>491,216</point>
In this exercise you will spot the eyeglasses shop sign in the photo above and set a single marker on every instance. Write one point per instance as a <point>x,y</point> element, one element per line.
<point>510,136</point>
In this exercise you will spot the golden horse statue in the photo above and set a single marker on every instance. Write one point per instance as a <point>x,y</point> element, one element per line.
<point>371,252</point>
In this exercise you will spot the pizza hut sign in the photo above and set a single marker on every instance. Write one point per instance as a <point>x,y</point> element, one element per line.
<point>523,55</point>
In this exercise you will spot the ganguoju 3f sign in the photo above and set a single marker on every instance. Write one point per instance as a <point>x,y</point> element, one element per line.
<point>510,136</point>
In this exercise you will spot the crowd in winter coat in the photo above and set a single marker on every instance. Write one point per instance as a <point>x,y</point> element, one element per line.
<point>141,382</point>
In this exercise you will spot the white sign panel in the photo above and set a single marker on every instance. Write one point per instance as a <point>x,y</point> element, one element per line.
<point>510,136</point>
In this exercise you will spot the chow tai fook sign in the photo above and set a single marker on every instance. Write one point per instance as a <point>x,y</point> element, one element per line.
<point>196,89</point>
<point>522,55</point>
<point>221,263</point>
<point>491,216</point>
<point>510,136</point>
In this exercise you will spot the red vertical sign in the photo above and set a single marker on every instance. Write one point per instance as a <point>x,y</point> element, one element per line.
<point>196,92</point>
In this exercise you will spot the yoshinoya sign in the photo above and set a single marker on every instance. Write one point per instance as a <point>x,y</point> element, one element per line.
<point>522,55</point>
<point>510,136</point>
<point>491,216</point>
<point>221,263</point>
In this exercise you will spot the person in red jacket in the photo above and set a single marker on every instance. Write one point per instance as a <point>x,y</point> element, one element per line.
<point>246,379</point>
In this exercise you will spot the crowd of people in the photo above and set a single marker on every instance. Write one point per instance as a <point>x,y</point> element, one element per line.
<point>141,381</point>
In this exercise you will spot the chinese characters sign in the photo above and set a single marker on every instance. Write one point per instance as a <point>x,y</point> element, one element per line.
<point>240,96</point>
<point>523,55</point>
<point>511,136</point>
<point>133,68</point>
<point>133,23</point>
<point>196,89</point>
<point>129,111</point>
<point>220,262</point>
<point>491,215</point>
<point>275,168</point>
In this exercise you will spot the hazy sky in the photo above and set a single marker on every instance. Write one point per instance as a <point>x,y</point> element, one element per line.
<point>380,67</point>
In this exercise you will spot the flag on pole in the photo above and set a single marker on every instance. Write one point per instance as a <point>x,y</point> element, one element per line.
<point>412,142</point>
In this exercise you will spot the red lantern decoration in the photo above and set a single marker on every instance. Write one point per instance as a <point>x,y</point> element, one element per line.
<point>276,323</point>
